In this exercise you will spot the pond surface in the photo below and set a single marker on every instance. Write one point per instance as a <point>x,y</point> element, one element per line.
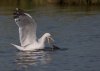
<point>77,31</point>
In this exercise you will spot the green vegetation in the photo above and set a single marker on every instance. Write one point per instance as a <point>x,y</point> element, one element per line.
<point>6,4</point>
<point>45,2</point>
<point>76,2</point>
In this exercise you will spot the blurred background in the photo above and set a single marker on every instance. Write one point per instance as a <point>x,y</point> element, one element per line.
<point>31,4</point>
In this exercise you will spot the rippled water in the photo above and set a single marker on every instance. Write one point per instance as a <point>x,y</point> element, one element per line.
<point>79,32</point>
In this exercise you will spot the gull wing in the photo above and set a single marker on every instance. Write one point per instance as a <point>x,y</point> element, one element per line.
<point>27,29</point>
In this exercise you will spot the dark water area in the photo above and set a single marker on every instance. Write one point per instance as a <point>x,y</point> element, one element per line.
<point>75,29</point>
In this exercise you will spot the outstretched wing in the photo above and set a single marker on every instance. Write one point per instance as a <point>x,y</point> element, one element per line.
<point>27,29</point>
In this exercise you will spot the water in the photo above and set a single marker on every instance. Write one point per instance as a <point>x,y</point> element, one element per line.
<point>77,31</point>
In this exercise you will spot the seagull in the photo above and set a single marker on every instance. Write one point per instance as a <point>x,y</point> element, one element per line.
<point>27,32</point>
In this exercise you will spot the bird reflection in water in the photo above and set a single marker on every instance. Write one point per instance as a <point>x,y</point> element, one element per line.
<point>25,59</point>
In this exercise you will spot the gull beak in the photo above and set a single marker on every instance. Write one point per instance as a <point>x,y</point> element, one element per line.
<point>51,43</point>
<point>50,40</point>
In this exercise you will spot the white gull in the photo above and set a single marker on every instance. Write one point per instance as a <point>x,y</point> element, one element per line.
<point>27,32</point>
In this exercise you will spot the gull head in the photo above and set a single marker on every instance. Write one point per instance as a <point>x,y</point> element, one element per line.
<point>49,38</point>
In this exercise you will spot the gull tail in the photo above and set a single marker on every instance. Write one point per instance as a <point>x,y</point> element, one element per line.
<point>18,47</point>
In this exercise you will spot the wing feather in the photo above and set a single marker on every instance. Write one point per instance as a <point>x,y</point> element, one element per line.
<point>27,29</point>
